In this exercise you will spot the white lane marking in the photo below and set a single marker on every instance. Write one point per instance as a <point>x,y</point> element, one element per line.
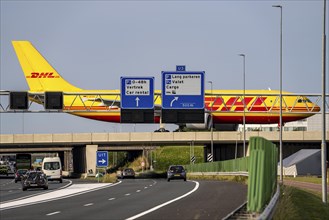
<point>29,196</point>
<point>111,199</point>
<point>138,191</point>
<point>145,187</point>
<point>166,203</point>
<point>150,185</point>
<point>128,194</point>
<point>73,190</point>
<point>89,204</point>
<point>53,213</point>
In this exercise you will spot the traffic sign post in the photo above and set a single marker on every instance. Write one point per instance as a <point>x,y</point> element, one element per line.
<point>182,96</point>
<point>137,99</point>
<point>102,160</point>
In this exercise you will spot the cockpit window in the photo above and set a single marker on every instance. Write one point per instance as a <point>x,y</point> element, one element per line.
<point>304,100</point>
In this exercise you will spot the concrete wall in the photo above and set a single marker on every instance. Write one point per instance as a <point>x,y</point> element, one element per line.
<point>152,137</point>
<point>91,159</point>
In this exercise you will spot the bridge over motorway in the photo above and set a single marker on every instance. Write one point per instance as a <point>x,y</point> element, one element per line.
<point>78,150</point>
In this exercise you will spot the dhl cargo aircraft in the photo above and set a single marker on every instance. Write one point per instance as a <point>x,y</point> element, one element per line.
<point>226,106</point>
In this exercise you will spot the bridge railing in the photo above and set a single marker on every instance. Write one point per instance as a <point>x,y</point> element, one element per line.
<point>292,103</point>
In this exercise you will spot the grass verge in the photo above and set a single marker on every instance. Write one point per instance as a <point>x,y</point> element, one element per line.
<point>295,203</point>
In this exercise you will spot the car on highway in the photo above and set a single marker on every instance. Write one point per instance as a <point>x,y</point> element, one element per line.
<point>34,179</point>
<point>52,168</point>
<point>127,173</point>
<point>19,173</point>
<point>176,172</point>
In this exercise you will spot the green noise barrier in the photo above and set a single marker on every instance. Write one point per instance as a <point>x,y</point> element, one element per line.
<point>262,168</point>
<point>262,181</point>
<point>240,164</point>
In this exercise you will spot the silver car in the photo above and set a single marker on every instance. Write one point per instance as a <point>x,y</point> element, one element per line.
<point>176,172</point>
<point>128,173</point>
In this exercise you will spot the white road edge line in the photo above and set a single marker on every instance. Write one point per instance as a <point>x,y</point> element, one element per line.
<point>89,204</point>
<point>53,213</point>
<point>111,199</point>
<point>57,198</point>
<point>166,203</point>
<point>65,186</point>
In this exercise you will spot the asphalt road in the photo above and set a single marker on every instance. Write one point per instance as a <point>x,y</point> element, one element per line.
<point>9,190</point>
<point>211,200</point>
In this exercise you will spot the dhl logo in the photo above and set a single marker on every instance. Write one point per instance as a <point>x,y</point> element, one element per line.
<point>235,104</point>
<point>42,75</point>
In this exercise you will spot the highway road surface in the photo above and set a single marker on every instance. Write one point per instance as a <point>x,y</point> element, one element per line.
<point>128,199</point>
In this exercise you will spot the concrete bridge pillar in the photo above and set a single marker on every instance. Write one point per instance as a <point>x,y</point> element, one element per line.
<point>68,161</point>
<point>91,159</point>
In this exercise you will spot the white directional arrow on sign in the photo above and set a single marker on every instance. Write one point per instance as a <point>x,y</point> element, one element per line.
<point>172,101</point>
<point>137,101</point>
<point>102,161</point>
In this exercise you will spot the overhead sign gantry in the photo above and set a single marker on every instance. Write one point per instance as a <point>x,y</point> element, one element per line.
<point>182,96</point>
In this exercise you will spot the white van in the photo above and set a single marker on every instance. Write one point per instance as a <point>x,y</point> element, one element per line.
<point>52,167</point>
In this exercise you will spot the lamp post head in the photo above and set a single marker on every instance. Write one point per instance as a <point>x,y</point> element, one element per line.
<point>242,55</point>
<point>277,6</point>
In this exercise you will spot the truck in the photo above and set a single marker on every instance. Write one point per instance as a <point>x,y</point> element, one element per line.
<point>23,161</point>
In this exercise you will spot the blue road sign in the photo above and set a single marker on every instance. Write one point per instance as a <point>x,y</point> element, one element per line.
<point>137,92</point>
<point>182,90</point>
<point>180,68</point>
<point>102,159</point>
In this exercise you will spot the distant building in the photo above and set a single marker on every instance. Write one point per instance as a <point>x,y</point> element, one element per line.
<point>303,162</point>
<point>313,123</point>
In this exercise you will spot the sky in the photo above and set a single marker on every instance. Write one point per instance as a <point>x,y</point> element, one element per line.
<point>94,43</point>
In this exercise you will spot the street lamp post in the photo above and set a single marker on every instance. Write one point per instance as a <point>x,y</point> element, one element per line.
<point>323,143</point>
<point>244,103</point>
<point>280,125</point>
<point>211,128</point>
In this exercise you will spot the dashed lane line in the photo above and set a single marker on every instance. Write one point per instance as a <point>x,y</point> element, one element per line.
<point>53,213</point>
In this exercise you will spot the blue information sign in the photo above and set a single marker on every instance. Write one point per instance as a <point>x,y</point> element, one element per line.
<point>182,90</point>
<point>102,159</point>
<point>180,68</point>
<point>137,92</point>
